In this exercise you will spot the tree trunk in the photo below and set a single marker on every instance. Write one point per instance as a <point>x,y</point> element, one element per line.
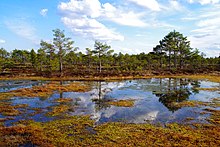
<point>61,66</point>
<point>169,58</point>
<point>41,64</point>
<point>181,62</point>
<point>175,60</point>
<point>100,89</point>
<point>61,61</point>
<point>100,65</point>
<point>161,62</point>
<point>50,62</point>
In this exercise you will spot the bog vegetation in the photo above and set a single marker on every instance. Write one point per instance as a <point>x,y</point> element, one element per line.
<point>172,55</point>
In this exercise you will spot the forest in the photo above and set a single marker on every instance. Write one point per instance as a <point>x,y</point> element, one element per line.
<point>172,55</point>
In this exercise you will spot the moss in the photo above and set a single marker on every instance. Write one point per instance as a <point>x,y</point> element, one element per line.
<point>63,100</point>
<point>5,96</point>
<point>67,132</point>
<point>209,89</point>
<point>213,78</point>
<point>58,110</point>
<point>190,104</point>
<point>189,119</point>
<point>215,116</point>
<point>21,106</point>
<point>80,131</point>
<point>8,110</point>
<point>118,134</point>
<point>122,103</point>
<point>6,118</point>
<point>216,99</point>
<point>46,90</point>
<point>216,102</point>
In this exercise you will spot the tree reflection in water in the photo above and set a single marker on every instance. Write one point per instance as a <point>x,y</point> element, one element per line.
<point>176,90</point>
<point>100,100</point>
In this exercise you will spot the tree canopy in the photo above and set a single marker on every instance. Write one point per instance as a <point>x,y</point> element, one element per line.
<point>173,53</point>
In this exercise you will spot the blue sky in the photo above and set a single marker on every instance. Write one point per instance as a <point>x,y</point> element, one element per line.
<point>129,26</point>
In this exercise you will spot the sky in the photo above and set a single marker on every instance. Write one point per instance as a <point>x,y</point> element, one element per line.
<point>129,26</point>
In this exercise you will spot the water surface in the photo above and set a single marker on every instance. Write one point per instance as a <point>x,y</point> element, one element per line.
<point>153,98</point>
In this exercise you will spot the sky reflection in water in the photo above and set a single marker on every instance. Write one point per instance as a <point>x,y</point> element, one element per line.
<point>153,98</point>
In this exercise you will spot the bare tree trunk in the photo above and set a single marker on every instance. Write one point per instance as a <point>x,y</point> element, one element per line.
<point>161,63</point>
<point>175,60</point>
<point>61,66</point>
<point>100,66</point>
<point>169,59</point>
<point>41,64</point>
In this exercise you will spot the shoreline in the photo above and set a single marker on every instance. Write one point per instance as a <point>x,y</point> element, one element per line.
<point>215,77</point>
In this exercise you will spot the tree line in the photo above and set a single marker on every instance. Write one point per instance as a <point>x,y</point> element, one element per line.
<point>60,57</point>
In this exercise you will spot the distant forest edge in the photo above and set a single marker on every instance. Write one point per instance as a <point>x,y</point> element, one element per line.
<point>172,55</point>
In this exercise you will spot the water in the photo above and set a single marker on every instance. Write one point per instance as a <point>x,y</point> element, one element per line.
<point>7,85</point>
<point>153,98</point>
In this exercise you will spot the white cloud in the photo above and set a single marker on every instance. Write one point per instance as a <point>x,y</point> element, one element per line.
<point>118,16</point>
<point>80,17</point>
<point>207,32</point>
<point>214,22</point>
<point>94,9</point>
<point>43,12</point>
<point>2,41</point>
<point>150,4</point>
<point>22,28</point>
<point>204,2</point>
<point>84,7</point>
<point>96,20</point>
<point>90,28</point>
<point>84,18</point>
<point>175,5</point>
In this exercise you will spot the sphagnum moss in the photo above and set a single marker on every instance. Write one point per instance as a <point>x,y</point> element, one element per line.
<point>58,110</point>
<point>9,110</point>
<point>122,103</point>
<point>63,100</point>
<point>48,89</point>
<point>74,131</point>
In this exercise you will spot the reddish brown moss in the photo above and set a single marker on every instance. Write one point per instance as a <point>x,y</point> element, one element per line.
<point>64,100</point>
<point>79,131</point>
<point>9,110</point>
<point>48,89</point>
<point>209,89</point>
<point>58,110</point>
<point>122,103</point>
<point>215,116</point>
